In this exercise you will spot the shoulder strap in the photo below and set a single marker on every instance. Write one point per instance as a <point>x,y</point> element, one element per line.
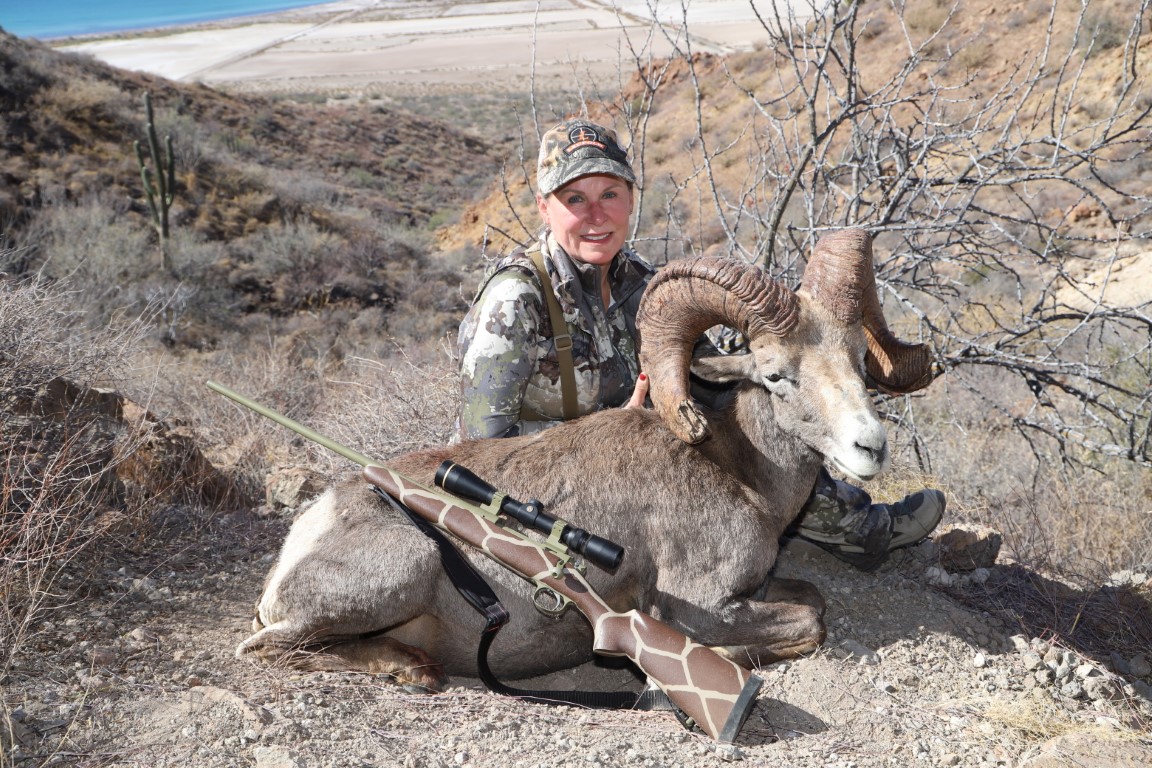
<point>563,340</point>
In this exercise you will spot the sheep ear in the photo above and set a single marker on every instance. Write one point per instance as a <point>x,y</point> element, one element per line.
<point>725,368</point>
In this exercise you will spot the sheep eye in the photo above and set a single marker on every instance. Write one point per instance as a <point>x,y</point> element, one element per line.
<point>774,377</point>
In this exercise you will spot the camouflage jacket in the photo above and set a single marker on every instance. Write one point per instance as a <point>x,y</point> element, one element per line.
<point>509,374</point>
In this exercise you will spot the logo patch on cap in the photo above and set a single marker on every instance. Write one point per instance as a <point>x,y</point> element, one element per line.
<point>583,136</point>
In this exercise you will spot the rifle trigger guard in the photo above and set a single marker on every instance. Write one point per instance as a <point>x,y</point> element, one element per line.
<point>550,602</point>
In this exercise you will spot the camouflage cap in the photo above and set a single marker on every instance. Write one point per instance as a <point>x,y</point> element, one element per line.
<point>578,148</point>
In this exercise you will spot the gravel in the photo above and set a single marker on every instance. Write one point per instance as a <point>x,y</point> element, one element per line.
<point>139,671</point>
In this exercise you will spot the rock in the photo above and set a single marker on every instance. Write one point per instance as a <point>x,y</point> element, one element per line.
<point>938,577</point>
<point>165,464</point>
<point>203,697</point>
<point>1090,750</point>
<point>142,459</point>
<point>275,757</point>
<point>1102,689</point>
<point>967,548</point>
<point>103,656</point>
<point>13,734</point>
<point>1128,578</point>
<point>290,487</point>
<point>1072,690</point>
<point>857,651</point>
<point>729,752</point>
<point>1139,666</point>
<point>979,576</point>
<point>883,685</point>
<point>1032,661</point>
<point>1119,664</point>
<point>142,635</point>
<point>1084,671</point>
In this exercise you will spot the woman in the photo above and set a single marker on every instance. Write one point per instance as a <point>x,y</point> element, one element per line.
<point>513,371</point>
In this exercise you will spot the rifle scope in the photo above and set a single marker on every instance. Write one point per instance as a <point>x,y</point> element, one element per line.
<point>464,483</point>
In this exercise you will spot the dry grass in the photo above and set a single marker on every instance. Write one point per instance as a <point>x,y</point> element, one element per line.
<point>58,494</point>
<point>1040,721</point>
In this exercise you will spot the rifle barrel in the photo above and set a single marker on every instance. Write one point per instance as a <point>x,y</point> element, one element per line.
<point>295,426</point>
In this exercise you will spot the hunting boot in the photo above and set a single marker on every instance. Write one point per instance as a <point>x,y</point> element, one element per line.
<point>842,519</point>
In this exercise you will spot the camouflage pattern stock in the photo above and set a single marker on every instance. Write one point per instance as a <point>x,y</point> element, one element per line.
<point>715,692</point>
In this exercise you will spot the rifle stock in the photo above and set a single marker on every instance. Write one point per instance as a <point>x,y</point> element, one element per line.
<point>716,693</point>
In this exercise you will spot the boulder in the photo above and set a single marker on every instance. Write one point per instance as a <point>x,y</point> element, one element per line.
<point>967,547</point>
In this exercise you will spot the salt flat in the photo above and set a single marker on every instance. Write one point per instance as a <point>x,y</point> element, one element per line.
<point>356,44</point>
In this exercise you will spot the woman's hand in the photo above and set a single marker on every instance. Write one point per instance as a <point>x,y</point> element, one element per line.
<point>640,393</point>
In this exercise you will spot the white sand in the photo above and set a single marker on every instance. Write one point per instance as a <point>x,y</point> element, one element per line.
<point>351,44</point>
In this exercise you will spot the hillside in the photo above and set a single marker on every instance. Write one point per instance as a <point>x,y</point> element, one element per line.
<point>701,125</point>
<point>279,206</point>
<point>322,252</point>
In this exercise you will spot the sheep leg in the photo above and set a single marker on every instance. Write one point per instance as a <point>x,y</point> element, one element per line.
<point>408,665</point>
<point>779,590</point>
<point>753,632</point>
<point>349,571</point>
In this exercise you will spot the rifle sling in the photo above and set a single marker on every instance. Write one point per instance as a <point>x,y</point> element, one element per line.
<point>473,588</point>
<point>560,337</point>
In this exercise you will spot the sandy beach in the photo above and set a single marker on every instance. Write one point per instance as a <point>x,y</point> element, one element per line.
<point>358,45</point>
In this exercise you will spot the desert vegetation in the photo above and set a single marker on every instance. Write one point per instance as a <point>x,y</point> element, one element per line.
<point>1009,196</point>
<point>321,252</point>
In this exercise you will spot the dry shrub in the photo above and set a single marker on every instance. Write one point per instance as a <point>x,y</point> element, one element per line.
<point>386,408</point>
<point>974,55</point>
<point>1058,505</point>
<point>377,398</point>
<point>1040,721</point>
<point>926,16</point>
<point>95,246</point>
<point>86,101</point>
<point>1095,618</point>
<point>57,493</point>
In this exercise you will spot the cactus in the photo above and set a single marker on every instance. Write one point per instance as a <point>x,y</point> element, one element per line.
<point>159,180</point>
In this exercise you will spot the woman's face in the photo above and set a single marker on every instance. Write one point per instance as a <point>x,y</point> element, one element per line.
<point>589,217</point>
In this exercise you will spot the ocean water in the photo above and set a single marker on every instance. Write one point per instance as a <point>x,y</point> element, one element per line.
<point>47,19</point>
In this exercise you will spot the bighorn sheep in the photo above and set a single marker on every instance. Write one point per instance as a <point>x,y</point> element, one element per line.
<point>698,497</point>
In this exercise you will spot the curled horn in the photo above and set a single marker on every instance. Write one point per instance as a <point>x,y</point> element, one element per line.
<point>687,298</point>
<point>840,276</point>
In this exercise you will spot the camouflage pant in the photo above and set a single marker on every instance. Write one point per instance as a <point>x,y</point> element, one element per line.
<point>839,513</point>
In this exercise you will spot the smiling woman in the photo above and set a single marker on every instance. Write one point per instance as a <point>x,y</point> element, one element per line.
<point>512,343</point>
<point>63,18</point>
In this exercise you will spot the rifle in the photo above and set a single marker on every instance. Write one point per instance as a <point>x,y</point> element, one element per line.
<point>716,693</point>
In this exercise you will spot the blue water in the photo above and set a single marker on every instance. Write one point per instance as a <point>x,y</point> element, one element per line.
<point>47,19</point>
